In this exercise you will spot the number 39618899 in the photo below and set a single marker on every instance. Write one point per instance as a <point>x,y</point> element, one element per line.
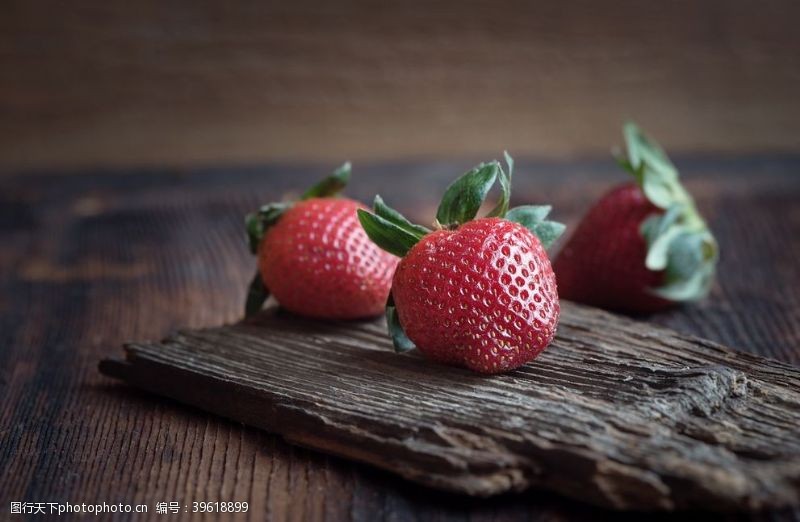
<point>219,507</point>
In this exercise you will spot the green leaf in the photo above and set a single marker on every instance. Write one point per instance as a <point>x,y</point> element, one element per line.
<point>528,215</point>
<point>651,167</point>
<point>533,217</point>
<point>400,340</point>
<point>331,185</point>
<point>385,211</point>
<point>257,294</point>
<point>272,211</point>
<point>509,163</point>
<point>650,228</point>
<point>685,257</point>
<point>255,231</point>
<point>501,208</point>
<point>693,288</point>
<point>658,253</point>
<point>660,191</point>
<point>257,223</point>
<point>463,198</point>
<point>659,231</point>
<point>387,235</point>
<point>641,149</point>
<point>625,163</point>
<point>671,217</point>
<point>548,232</point>
<point>690,265</point>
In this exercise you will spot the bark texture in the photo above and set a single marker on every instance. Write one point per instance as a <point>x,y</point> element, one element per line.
<point>615,412</point>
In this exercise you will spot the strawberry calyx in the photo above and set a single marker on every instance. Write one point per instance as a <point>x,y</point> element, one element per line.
<point>257,223</point>
<point>678,239</point>
<point>400,340</point>
<point>462,200</point>
<point>460,204</point>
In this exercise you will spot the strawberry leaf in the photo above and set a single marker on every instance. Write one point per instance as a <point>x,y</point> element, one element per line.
<point>649,228</point>
<point>658,253</point>
<point>685,256</point>
<point>257,223</point>
<point>400,340</point>
<point>255,231</point>
<point>691,267</point>
<point>625,163</point>
<point>684,249</point>
<point>387,235</point>
<point>693,288</point>
<point>661,192</point>
<point>464,197</point>
<point>509,163</point>
<point>528,214</point>
<point>385,211</point>
<point>533,217</point>
<point>651,167</point>
<point>331,185</point>
<point>678,239</point>
<point>257,294</point>
<point>659,231</point>
<point>548,232</point>
<point>501,208</point>
<point>641,149</point>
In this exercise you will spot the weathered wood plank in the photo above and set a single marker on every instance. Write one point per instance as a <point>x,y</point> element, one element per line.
<point>616,412</point>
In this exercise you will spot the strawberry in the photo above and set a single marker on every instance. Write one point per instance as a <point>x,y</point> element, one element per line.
<point>314,257</point>
<point>643,247</point>
<point>478,293</point>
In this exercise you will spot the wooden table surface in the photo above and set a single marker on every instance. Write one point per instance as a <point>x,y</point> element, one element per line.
<point>90,260</point>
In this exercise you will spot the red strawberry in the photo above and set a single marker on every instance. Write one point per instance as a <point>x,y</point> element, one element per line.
<point>475,293</point>
<point>483,295</point>
<point>316,260</point>
<point>602,264</point>
<point>642,247</point>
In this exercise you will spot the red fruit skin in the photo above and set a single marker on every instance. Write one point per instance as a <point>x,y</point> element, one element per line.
<point>317,261</point>
<point>603,262</point>
<point>482,296</point>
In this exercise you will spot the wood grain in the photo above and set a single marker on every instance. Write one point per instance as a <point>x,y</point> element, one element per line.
<point>616,412</point>
<point>93,258</point>
<point>119,83</point>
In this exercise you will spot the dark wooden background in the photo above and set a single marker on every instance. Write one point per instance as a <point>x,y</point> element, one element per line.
<point>116,82</point>
<point>95,249</point>
<point>90,260</point>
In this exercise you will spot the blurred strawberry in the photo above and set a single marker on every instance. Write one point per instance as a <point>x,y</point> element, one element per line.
<point>643,247</point>
<point>314,257</point>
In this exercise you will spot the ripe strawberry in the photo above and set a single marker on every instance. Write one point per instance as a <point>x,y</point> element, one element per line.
<point>315,258</point>
<point>643,247</point>
<point>603,262</point>
<point>478,293</point>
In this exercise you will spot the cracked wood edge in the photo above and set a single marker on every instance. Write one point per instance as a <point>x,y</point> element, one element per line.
<point>616,412</point>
